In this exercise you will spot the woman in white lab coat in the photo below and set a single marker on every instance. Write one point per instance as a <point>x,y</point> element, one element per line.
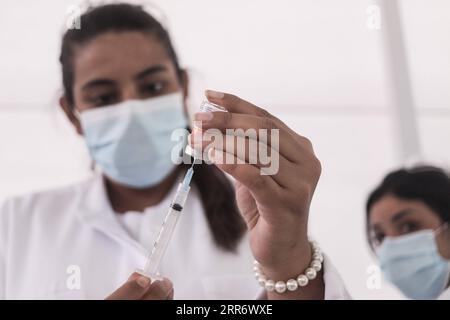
<point>407,226</point>
<point>125,92</point>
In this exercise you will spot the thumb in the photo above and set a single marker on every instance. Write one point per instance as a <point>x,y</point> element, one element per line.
<point>135,288</point>
<point>160,290</point>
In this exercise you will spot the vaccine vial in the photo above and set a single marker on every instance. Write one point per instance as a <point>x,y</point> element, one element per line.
<point>205,106</point>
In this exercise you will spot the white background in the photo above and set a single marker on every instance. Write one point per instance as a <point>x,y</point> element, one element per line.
<point>313,63</point>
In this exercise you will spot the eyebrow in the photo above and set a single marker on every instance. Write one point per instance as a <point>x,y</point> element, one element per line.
<point>149,71</point>
<point>97,83</point>
<point>401,214</point>
<point>140,75</point>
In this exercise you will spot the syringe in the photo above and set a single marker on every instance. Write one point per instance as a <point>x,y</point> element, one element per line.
<point>165,233</point>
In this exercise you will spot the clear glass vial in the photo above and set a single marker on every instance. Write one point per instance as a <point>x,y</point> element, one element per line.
<point>205,106</point>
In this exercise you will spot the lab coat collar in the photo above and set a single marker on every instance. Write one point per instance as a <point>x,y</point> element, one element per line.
<point>95,210</point>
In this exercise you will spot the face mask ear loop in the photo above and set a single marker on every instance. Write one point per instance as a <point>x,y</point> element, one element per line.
<point>76,113</point>
<point>441,228</point>
<point>447,279</point>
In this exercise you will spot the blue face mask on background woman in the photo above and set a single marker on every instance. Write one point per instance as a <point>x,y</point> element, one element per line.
<point>131,141</point>
<point>412,263</point>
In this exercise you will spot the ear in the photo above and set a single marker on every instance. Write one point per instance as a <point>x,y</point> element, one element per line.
<point>68,110</point>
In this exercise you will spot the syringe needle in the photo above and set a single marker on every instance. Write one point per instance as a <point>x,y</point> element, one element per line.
<point>188,177</point>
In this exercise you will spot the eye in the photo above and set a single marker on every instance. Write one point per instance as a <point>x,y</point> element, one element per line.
<point>104,99</point>
<point>408,227</point>
<point>377,239</point>
<point>153,89</point>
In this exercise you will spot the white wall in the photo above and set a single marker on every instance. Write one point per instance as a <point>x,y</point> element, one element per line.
<point>314,63</point>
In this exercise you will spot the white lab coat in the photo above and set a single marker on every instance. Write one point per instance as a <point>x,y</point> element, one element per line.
<point>445,295</point>
<point>69,244</point>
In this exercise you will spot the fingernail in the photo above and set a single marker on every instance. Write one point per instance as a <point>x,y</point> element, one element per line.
<point>214,94</point>
<point>203,116</point>
<point>144,282</point>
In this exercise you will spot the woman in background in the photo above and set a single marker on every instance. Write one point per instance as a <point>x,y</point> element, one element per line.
<point>408,217</point>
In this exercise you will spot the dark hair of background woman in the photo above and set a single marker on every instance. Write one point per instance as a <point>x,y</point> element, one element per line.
<point>428,184</point>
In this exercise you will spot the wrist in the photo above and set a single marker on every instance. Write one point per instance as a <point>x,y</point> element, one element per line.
<point>287,280</point>
<point>289,263</point>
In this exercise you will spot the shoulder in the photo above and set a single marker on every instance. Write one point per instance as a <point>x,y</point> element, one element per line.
<point>45,201</point>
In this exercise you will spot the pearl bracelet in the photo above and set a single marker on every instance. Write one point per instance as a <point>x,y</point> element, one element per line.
<point>292,284</point>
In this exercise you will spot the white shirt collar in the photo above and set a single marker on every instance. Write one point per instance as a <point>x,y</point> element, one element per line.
<point>95,210</point>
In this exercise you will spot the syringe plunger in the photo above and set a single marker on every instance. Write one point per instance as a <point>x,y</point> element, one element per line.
<point>165,234</point>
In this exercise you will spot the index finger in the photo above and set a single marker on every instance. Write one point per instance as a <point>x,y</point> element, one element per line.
<point>235,104</point>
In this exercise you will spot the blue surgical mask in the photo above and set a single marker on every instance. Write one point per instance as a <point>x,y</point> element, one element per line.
<point>131,141</point>
<point>413,264</point>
